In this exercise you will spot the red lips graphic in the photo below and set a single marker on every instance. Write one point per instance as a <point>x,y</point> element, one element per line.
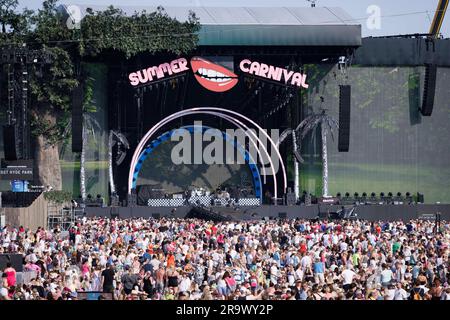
<point>212,76</point>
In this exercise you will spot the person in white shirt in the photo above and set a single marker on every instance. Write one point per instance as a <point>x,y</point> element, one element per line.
<point>306,262</point>
<point>185,284</point>
<point>386,275</point>
<point>400,293</point>
<point>155,263</point>
<point>347,275</point>
<point>343,246</point>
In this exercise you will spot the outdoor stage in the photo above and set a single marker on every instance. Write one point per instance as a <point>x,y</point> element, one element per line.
<point>367,212</point>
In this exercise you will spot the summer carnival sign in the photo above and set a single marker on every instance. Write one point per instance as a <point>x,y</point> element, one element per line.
<point>214,77</point>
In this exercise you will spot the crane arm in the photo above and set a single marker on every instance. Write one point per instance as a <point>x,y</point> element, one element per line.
<point>438,18</point>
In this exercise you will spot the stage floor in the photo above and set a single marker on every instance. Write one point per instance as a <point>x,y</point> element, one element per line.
<point>366,212</point>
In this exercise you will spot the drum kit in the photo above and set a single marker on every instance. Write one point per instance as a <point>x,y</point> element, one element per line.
<point>220,193</point>
<point>199,192</point>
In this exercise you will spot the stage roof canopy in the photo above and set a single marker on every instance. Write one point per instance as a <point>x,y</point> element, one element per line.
<point>263,26</point>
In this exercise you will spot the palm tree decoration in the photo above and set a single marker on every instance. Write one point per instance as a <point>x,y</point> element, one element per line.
<point>286,133</point>
<point>90,124</point>
<point>118,138</point>
<point>309,125</point>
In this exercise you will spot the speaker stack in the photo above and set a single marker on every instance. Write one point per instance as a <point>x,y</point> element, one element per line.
<point>308,200</point>
<point>420,198</point>
<point>344,118</point>
<point>132,200</point>
<point>429,88</point>
<point>290,199</point>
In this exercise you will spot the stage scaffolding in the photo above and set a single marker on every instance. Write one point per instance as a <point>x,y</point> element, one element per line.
<point>63,217</point>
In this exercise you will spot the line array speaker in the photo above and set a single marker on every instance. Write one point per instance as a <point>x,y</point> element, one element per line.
<point>429,88</point>
<point>344,118</point>
<point>10,142</point>
<point>77,119</point>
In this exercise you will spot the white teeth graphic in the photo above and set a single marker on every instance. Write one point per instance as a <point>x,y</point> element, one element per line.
<point>212,73</point>
<point>214,76</point>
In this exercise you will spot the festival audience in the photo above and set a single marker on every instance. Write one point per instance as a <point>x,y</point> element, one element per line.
<point>190,259</point>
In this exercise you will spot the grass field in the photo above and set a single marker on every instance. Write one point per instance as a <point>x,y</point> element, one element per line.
<point>96,177</point>
<point>433,182</point>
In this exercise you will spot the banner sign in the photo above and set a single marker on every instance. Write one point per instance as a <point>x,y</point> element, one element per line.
<point>19,186</point>
<point>274,73</point>
<point>215,77</point>
<point>16,170</point>
<point>158,72</point>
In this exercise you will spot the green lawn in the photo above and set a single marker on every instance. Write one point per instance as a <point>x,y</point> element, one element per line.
<point>96,177</point>
<point>75,165</point>
<point>433,182</point>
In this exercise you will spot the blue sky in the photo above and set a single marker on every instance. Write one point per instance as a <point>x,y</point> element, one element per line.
<point>396,16</point>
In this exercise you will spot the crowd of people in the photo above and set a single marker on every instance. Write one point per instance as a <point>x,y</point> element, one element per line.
<point>191,259</point>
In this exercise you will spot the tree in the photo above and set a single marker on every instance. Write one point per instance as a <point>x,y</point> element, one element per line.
<point>7,14</point>
<point>100,31</point>
<point>326,124</point>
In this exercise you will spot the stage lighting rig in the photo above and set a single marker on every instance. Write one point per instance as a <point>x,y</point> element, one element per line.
<point>18,61</point>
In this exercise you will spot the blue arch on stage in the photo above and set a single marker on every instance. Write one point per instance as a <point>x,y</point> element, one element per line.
<point>256,177</point>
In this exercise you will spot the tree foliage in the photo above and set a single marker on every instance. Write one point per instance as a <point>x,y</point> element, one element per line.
<point>100,31</point>
<point>58,197</point>
<point>141,32</point>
